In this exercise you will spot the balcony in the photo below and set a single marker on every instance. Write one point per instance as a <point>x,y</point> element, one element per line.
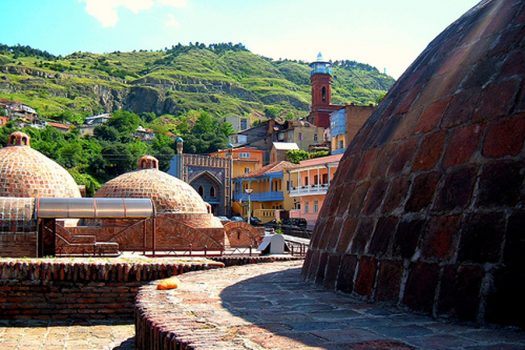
<point>309,190</point>
<point>259,196</point>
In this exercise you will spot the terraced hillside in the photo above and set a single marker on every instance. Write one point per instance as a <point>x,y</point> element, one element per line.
<point>219,78</point>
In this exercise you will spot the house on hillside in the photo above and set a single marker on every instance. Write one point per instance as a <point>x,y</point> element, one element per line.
<point>18,110</point>
<point>144,134</point>
<point>301,132</point>
<point>90,123</point>
<point>59,126</point>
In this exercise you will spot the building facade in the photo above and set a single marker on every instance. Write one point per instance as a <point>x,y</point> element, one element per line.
<point>345,123</point>
<point>279,150</point>
<point>309,183</point>
<point>269,192</point>
<point>244,159</point>
<point>210,176</point>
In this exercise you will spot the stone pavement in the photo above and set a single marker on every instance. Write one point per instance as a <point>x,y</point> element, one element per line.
<point>52,335</point>
<point>268,306</point>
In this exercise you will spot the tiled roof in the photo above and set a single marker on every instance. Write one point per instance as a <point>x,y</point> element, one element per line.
<point>270,168</point>
<point>58,125</point>
<point>321,160</point>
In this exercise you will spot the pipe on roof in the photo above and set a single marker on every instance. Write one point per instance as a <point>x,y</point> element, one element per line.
<point>94,208</point>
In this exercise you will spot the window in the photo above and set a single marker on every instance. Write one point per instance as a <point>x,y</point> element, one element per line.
<point>341,144</point>
<point>201,191</point>
<point>246,170</point>
<point>300,136</point>
<point>212,191</point>
<point>323,93</point>
<point>306,207</point>
<point>306,181</point>
<point>325,178</point>
<point>315,138</point>
<point>244,123</point>
<point>244,155</point>
<point>316,206</point>
<point>316,180</point>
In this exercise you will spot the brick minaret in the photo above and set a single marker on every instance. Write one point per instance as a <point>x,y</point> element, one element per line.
<point>321,80</point>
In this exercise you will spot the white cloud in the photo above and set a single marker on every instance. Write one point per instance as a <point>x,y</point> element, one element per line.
<point>106,11</point>
<point>171,21</point>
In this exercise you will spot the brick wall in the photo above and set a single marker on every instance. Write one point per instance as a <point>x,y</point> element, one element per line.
<point>427,206</point>
<point>77,290</point>
<point>94,289</point>
<point>17,244</point>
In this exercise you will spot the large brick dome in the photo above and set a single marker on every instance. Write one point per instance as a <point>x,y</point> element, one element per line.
<point>427,208</point>
<point>25,172</point>
<point>169,194</point>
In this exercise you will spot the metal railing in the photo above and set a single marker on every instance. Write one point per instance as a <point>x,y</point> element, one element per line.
<point>310,189</point>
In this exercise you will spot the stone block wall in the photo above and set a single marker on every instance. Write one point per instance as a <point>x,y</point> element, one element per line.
<point>427,207</point>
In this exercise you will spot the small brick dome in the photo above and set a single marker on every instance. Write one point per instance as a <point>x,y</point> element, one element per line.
<point>25,172</point>
<point>169,194</point>
<point>427,208</point>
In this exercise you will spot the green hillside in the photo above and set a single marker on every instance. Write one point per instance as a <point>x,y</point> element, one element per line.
<point>219,78</point>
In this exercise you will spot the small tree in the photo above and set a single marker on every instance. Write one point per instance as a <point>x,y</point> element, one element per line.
<point>297,155</point>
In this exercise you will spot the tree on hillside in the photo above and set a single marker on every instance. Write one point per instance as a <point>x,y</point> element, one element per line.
<point>114,160</point>
<point>207,134</point>
<point>106,133</point>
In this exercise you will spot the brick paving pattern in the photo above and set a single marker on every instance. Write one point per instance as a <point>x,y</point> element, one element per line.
<point>51,335</point>
<point>269,306</point>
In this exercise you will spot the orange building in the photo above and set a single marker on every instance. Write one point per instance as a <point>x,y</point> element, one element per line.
<point>245,159</point>
<point>309,181</point>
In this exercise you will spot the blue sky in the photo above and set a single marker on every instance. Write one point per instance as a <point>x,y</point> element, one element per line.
<point>384,33</point>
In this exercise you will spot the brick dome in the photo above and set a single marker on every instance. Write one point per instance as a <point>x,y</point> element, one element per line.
<point>25,172</point>
<point>169,194</point>
<point>427,208</point>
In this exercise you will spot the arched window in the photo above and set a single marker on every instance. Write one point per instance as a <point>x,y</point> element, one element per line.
<point>323,93</point>
<point>201,191</point>
<point>212,191</point>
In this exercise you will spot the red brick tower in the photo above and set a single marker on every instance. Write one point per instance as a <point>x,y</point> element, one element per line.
<point>321,80</point>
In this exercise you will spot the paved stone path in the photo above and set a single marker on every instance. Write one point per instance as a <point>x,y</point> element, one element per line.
<point>50,335</point>
<point>268,306</point>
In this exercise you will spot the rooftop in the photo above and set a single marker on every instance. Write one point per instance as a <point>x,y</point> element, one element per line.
<point>270,168</point>
<point>285,146</point>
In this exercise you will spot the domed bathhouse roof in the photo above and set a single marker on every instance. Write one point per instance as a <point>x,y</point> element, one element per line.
<point>169,194</point>
<point>426,208</point>
<point>25,172</point>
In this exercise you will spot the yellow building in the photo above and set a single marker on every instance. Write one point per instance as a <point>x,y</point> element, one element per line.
<point>301,132</point>
<point>266,189</point>
<point>245,159</point>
